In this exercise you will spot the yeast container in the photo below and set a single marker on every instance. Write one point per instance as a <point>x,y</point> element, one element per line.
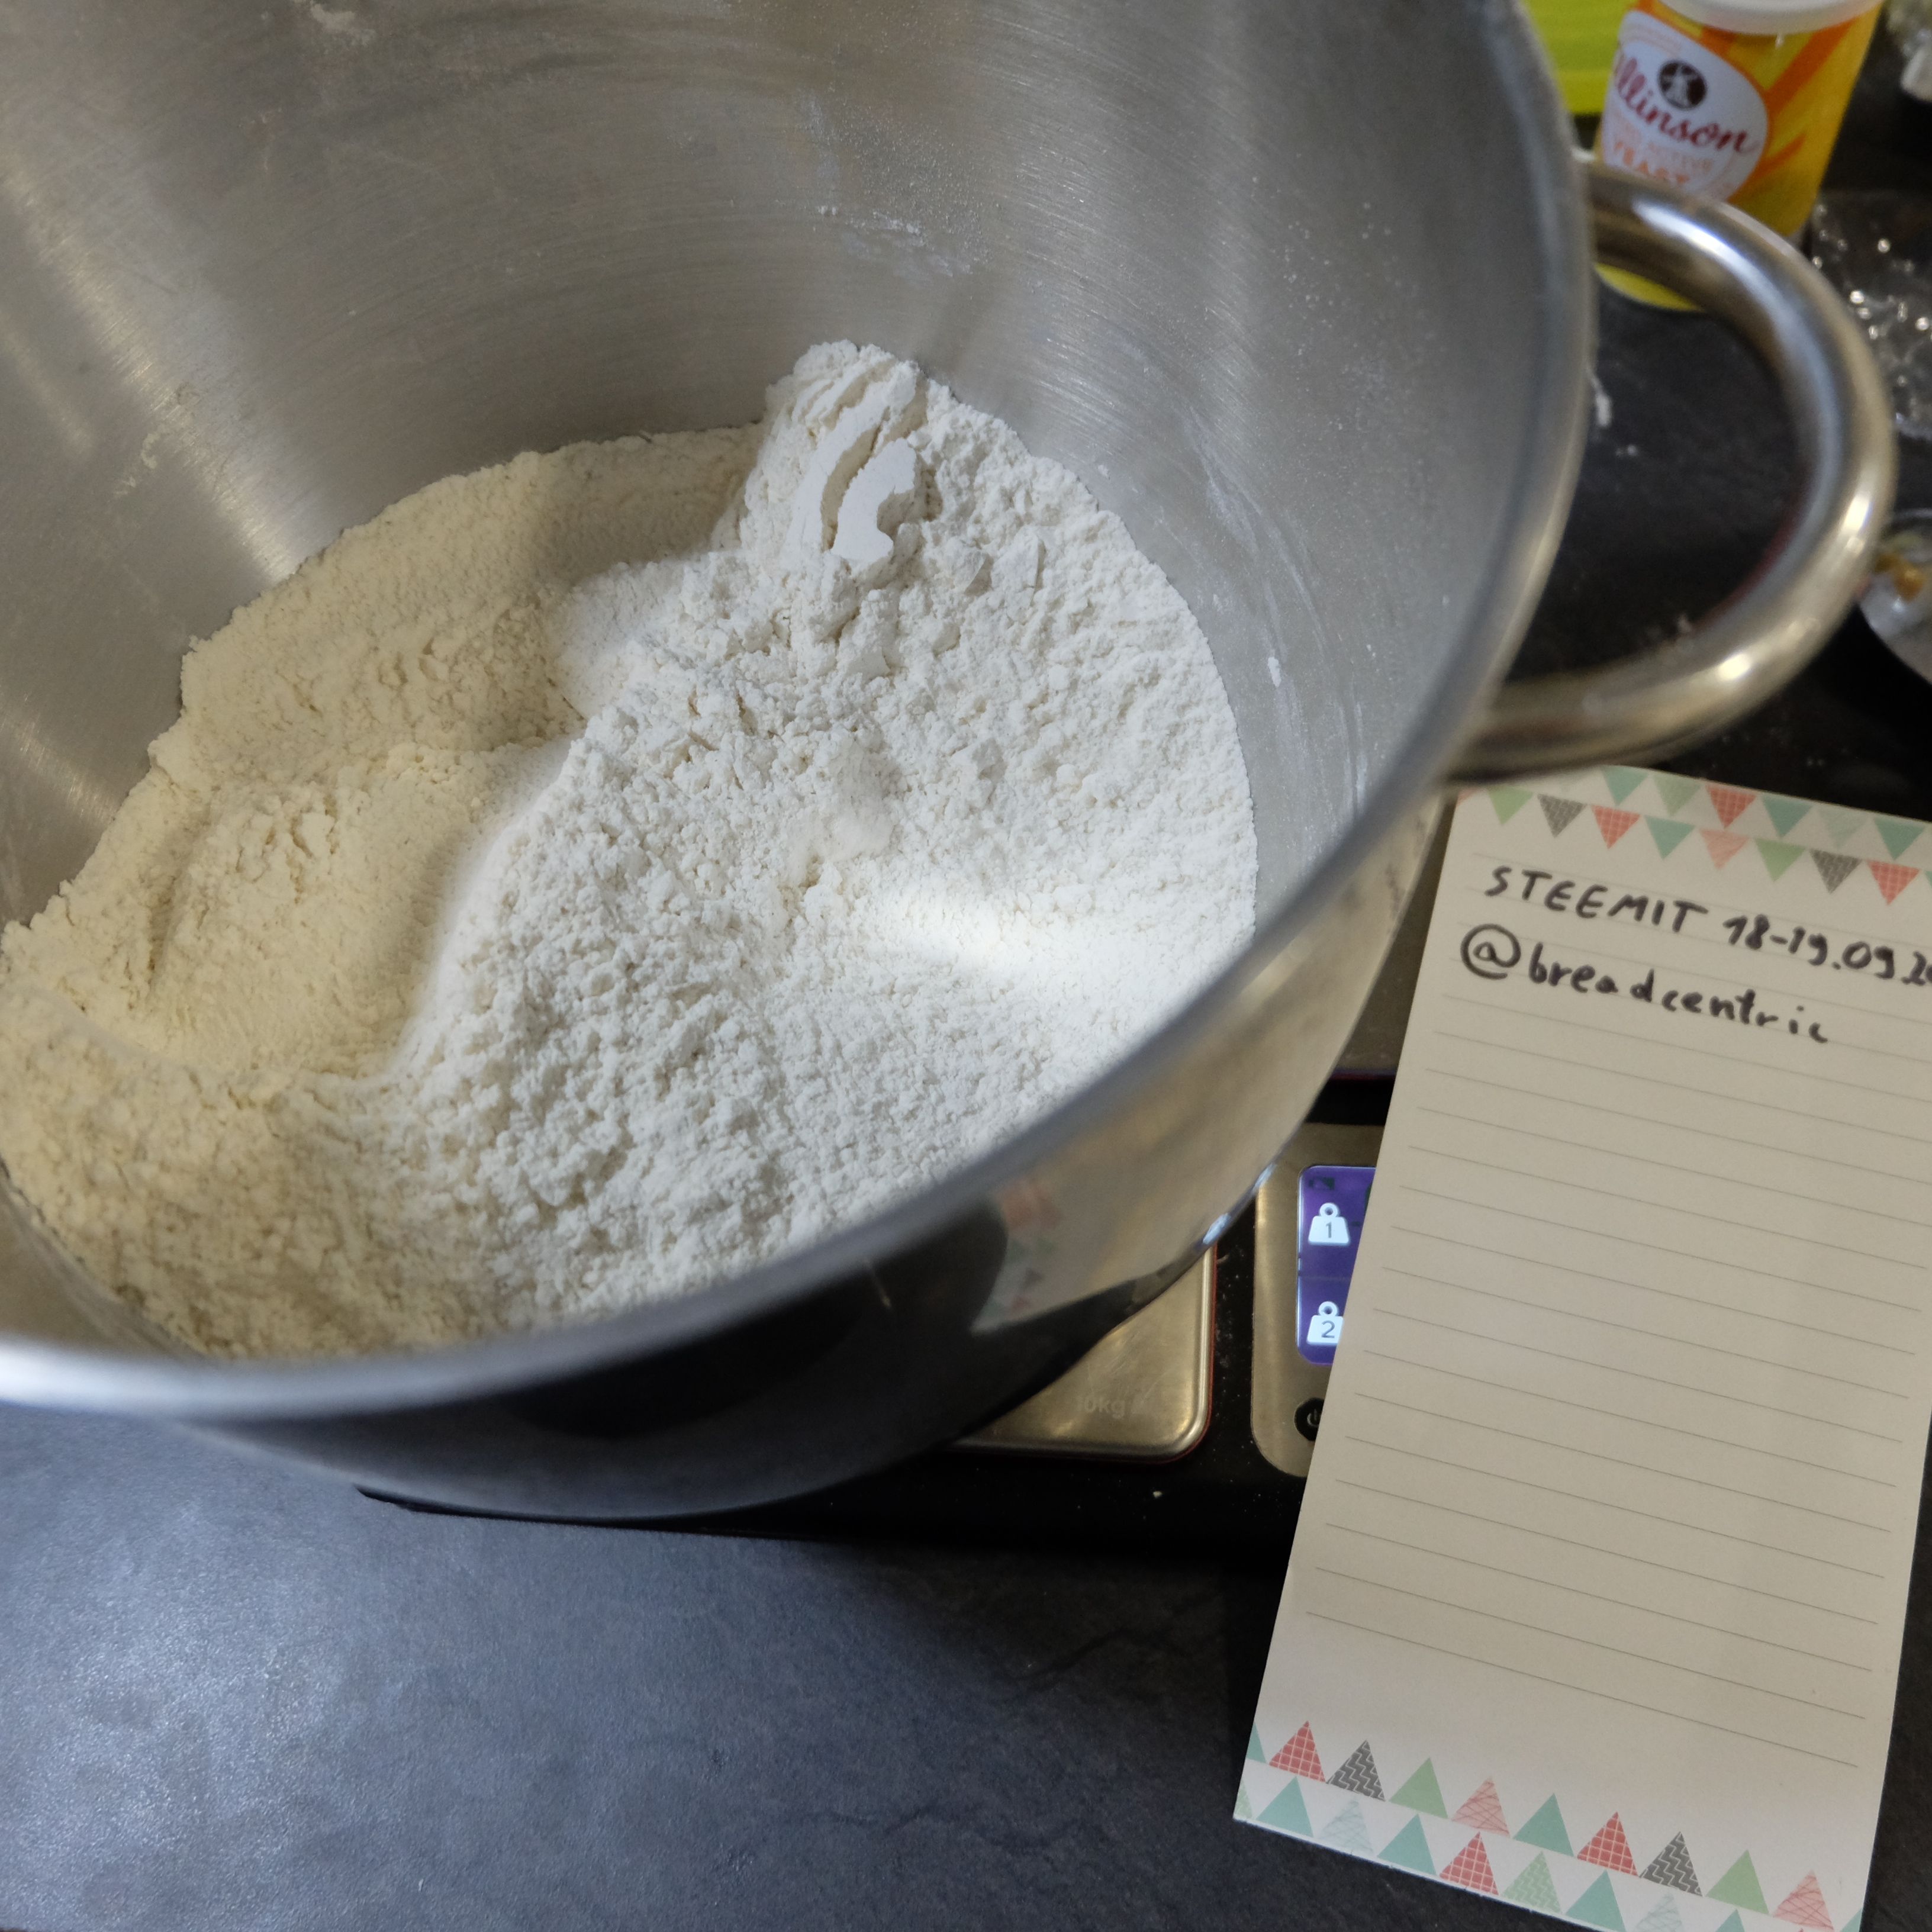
<point>1739,100</point>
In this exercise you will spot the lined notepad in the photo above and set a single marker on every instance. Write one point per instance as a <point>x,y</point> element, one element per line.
<point>1597,1595</point>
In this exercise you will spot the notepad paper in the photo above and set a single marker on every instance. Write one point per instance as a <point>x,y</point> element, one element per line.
<point>1598,1592</point>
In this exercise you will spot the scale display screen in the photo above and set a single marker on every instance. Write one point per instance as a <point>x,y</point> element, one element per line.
<point>1334,1202</point>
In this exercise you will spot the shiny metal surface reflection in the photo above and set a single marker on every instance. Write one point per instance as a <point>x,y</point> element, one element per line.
<point>1143,1393</point>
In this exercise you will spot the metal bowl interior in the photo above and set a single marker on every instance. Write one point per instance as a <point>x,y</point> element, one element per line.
<point>1301,291</point>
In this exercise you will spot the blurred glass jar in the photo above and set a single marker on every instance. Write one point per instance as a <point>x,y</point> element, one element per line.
<point>1909,23</point>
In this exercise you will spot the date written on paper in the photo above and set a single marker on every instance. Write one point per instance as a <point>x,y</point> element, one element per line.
<point>1492,952</point>
<point>1754,932</point>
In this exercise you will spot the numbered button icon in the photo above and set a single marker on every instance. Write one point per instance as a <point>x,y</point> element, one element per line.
<point>1329,1228</point>
<point>1333,1204</point>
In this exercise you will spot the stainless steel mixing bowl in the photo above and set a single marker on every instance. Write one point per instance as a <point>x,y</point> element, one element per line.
<point>1302,290</point>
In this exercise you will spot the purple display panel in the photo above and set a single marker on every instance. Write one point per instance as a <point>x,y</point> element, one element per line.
<point>1334,1200</point>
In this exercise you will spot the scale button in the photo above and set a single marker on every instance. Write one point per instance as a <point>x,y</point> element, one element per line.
<point>1329,1228</point>
<point>1308,1417</point>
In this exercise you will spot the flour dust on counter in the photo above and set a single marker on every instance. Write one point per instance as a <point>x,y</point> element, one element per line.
<point>607,871</point>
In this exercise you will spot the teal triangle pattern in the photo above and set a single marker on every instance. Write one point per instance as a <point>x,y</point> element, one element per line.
<point>1422,1792</point>
<point>1410,1849</point>
<point>1243,1809</point>
<point>1598,1907</point>
<point>1346,1832</point>
<point>1840,823</point>
<point>1785,812</point>
<point>1288,1812</point>
<point>1669,833</point>
<point>1256,1754</point>
<point>1851,1925</point>
<point>1546,1829</point>
<point>1735,1924</point>
<point>1663,1916</point>
<point>1534,1887</point>
<point>1897,833</point>
<point>1622,780</point>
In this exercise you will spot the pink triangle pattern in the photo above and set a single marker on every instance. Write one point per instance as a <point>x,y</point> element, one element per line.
<point>1725,846</point>
<point>1892,880</point>
<point>1806,1905</point>
<point>1471,1867</point>
<point>1612,823</point>
<point>1483,1809</point>
<point>1299,1756</point>
<point>1609,1847</point>
<point>1729,800</point>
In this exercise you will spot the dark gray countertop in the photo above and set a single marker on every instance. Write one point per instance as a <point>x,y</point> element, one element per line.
<point>232,1694</point>
<point>235,1695</point>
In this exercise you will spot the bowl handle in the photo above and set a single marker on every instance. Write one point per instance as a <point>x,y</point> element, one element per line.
<point>1644,706</point>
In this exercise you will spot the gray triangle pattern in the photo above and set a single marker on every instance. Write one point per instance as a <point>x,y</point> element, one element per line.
<point>1559,812</point>
<point>1673,1867</point>
<point>1359,1774</point>
<point>1835,868</point>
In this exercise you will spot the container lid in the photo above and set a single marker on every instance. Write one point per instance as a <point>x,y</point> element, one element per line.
<point>1771,16</point>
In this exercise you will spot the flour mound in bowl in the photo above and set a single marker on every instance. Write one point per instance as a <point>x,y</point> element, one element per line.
<point>603,872</point>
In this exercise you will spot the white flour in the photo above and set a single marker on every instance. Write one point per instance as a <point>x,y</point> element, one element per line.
<point>494,941</point>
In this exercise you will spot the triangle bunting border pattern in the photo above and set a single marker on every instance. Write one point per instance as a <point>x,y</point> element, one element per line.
<point>1536,1867</point>
<point>1730,819</point>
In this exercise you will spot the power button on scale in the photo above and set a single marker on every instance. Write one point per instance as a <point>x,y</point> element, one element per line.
<point>1308,1227</point>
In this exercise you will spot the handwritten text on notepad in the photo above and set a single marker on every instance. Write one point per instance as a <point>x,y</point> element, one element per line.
<point>1591,899</point>
<point>1494,952</point>
<point>1613,1514</point>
